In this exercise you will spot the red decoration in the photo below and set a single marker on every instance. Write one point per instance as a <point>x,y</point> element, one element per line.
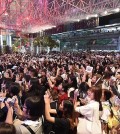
<point>23,15</point>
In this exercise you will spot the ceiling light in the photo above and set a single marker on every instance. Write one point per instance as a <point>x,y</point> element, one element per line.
<point>87,18</point>
<point>96,15</point>
<point>27,18</point>
<point>105,12</point>
<point>117,10</point>
<point>6,14</point>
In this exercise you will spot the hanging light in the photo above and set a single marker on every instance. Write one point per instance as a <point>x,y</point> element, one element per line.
<point>96,15</point>
<point>6,14</point>
<point>87,18</point>
<point>105,12</point>
<point>117,10</point>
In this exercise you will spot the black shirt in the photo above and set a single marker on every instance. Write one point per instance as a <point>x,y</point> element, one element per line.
<point>62,126</point>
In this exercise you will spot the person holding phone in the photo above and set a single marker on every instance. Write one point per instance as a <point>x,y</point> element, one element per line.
<point>29,121</point>
<point>66,124</point>
<point>90,123</point>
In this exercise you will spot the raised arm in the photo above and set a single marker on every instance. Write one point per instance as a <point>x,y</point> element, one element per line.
<point>48,109</point>
<point>9,118</point>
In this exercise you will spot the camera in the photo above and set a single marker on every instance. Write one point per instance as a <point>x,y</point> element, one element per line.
<point>9,100</point>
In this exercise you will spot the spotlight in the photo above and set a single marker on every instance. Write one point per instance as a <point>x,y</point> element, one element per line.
<point>105,12</point>
<point>87,18</point>
<point>117,10</point>
<point>6,14</point>
<point>27,18</point>
<point>96,15</point>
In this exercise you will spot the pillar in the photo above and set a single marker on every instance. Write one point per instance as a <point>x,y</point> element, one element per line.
<point>8,39</point>
<point>1,40</point>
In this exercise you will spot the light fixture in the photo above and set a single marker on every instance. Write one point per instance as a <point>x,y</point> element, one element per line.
<point>117,10</point>
<point>87,18</point>
<point>96,15</point>
<point>27,18</point>
<point>78,20</point>
<point>17,24</point>
<point>5,13</point>
<point>105,12</point>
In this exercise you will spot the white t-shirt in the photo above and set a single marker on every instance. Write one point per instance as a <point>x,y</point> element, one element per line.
<point>106,111</point>
<point>36,126</point>
<point>92,123</point>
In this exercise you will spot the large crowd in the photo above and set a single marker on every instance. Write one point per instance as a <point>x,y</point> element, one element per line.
<point>60,93</point>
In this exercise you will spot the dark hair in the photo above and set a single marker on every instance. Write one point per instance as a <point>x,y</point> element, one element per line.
<point>107,94</point>
<point>34,106</point>
<point>27,78</point>
<point>74,81</point>
<point>35,85</point>
<point>65,86</point>
<point>43,80</point>
<point>108,68</point>
<point>107,75</point>
<point>68,108</point>
<point>54,94</point>
<point>44,70</point>
<point>84,87</point>
<point>9,73</point>
<point>34,72</point>
<point>34,81</point>
<point>97,95</point>
<point>59,80</point>
<point>6,128</point>
<point>68,111</point>
<point>14,88</point>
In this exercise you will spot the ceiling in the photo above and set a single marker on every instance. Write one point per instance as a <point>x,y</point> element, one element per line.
<point>36,15</point>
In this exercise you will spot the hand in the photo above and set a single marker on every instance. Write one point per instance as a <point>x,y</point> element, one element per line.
<point>76,103</point>
<point>16,101</point>
<point>25,70</point>
<point>46,98</point>
<point>83,101</point>
<point>17,78</point>
<point>9,107</point>
<point>48,75</point>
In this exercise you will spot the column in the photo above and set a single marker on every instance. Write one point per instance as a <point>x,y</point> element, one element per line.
<point>119,43</point>
<point>37,50</point>
<point>8,39</point>
<point>31,45</point>
<point>1,40</point>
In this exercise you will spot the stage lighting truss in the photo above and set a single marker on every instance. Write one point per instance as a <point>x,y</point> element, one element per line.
<point>25,14</point>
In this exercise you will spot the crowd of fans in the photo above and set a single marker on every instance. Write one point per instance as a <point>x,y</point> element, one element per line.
<point>62,93</point>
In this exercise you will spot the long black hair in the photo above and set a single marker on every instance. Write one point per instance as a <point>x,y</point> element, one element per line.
<point>74,81</point>
<point>69,113</point>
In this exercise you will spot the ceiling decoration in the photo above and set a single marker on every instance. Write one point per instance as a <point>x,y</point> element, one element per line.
<point>24,15</point>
